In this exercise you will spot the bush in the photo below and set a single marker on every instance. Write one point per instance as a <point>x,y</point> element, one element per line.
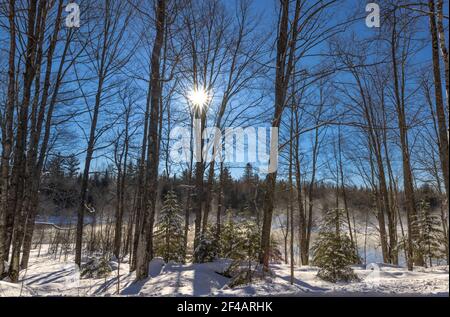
<point>240,273</point>
<point>95,268</point>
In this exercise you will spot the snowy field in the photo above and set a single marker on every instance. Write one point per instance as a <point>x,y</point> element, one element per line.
<point>47,276</point>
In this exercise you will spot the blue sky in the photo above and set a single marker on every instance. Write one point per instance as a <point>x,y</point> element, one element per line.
<point>267,9</point>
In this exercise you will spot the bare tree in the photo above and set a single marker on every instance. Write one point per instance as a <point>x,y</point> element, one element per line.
<point>106,57</point>
<point>7,137</point>
<point>145,243</point>
<point>437,36</point>
<point>295,20</point>
<point>286,43</point>
<point>35,19</point>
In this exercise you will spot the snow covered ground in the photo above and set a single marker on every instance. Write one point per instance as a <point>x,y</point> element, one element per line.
<point>49,277</point>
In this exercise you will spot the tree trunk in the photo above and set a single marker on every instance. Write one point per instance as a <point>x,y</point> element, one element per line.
<point>7,139</point>
<point>440,110</point>
<point>145,243</point>
<point>344,192</point>
<point>208,198</point>
<point>220,202</point>
<point>18,172</point>
<point>35,160</point>
<point>444,51</point>
<point>291,198</point>
<point>284,66</point>
<point>410,204</point>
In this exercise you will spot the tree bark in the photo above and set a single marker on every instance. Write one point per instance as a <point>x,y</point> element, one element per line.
<point>410,204</point>
<point>7,137</point>
<point>440,110</point>
<point>18,171</point>
<point>35,160</point>
<point>145,243</point>
<point>444,50</point>
<point>284,67</point>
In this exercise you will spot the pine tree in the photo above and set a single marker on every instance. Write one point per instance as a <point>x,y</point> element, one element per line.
<point>208,246</point>
<point>106,180</point>
<point>246,247</point>
<point>72,166</point>
<point>430,237</point>
<point>240,241</point>
<point>251,240</point>
<point>227,187</point>
<point>333,251</point>
<point>248,176</point>
<point>169,237</point>
<point>55,167</point>
<point>230,239</point>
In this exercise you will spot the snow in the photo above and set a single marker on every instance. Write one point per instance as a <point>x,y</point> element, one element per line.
<point>46,276</point>
<point>181,280</point>
<point>155,266</point>
<point>14,290</point>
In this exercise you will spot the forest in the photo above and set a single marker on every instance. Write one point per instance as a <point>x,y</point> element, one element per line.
<point>332,175</point>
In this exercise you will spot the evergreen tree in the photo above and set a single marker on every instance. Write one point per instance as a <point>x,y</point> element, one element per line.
<point>251,240</point>
<point>208,246</point>
<point>169,237</point>
<point>430,235</point>
<point>333,251</point>
<point>248,177</point>
<point>240,241</point>
<point>230,239</point>
<point>72,166</point>
<point>106,179</point>
<point>55,167</point>
<point>245,252</point>
<point>227,187</point>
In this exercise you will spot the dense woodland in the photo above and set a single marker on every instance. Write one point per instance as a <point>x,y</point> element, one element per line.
<point>86,114</point>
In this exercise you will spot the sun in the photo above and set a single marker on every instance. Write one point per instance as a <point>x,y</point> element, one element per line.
<point>199,97</point>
